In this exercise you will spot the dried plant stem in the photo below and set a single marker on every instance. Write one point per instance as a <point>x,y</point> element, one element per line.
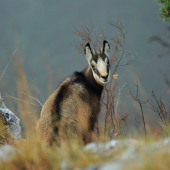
<point>33,98</point>
<point>143,117</point>
<point>117,65</point>
<point>22,101</point>
<point>136,98</point>
<point>163,111</point>
<point>160,108</point>
<point>106,114</point>
<point>8,64</point>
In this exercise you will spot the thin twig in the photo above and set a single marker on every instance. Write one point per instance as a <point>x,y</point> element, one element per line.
<point>8,64</point>
<point>161,111</point>
<point>33,98</point>
<point>160,127</point>
<point>136,98</point>
<point>22,101</point>
<point>139,124</point>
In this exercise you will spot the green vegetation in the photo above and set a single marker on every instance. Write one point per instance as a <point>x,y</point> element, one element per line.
<point>164,11</point>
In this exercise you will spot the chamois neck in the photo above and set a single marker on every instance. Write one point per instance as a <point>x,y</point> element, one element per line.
<point>89,78</point>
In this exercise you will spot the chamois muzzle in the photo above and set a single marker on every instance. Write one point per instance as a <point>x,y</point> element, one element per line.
<point>105,78</point>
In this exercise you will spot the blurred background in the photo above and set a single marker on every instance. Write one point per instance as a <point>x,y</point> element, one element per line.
<point>43,32</point>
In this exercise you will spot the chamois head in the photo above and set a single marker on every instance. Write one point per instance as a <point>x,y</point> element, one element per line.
<point>99,62</point>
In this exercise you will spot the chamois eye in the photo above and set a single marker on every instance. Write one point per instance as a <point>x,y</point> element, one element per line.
<point>108,62</point>
<point>92,66</point>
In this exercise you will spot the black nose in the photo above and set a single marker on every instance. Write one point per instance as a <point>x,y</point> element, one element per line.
<point>105,77</point>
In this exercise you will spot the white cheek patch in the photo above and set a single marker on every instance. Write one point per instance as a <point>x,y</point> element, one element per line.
<point>107,50</point>
<point>88,54</point>
<point>102,67</point>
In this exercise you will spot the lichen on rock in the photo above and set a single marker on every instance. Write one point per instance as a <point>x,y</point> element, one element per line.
<point>12,122</point>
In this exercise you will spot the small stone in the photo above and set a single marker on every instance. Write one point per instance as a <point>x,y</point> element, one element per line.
<point>6,151</point>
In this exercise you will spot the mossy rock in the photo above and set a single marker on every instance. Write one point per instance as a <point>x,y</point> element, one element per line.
<point>4,135</point>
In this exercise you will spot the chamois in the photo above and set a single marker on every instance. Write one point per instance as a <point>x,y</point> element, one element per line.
<point>74,106</point>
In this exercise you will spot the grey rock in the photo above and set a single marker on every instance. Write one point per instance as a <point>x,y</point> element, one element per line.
<point>11,120</point>
<point>6,151</point>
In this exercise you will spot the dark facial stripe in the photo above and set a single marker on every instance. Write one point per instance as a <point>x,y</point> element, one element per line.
<point>108,68</point>
<point>96,72</point>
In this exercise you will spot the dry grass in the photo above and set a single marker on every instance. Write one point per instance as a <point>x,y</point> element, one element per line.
<point>4,135</point>
<point>34,156</point>
<point>72,155</point>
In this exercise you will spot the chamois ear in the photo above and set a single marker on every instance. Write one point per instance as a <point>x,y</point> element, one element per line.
<point>88,52</point>
<point>106,48</point>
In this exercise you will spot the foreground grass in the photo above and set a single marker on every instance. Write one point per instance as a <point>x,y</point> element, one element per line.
<point>70,155</point>
<point>152,161</point>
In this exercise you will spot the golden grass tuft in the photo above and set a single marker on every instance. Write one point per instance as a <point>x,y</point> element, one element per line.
<point>70,155</point>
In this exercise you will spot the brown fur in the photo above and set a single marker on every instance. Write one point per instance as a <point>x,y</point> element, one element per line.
<point>76,113</point>
<point>72,109</point>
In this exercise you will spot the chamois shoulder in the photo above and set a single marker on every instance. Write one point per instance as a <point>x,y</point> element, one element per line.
<point>78,77</point>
